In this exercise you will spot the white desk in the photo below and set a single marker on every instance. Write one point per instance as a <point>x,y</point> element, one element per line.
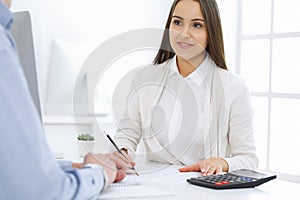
<point>272,190</point>
<point>176,184</point>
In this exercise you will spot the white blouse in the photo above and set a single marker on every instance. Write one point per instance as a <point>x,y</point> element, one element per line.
<point>182,111</point>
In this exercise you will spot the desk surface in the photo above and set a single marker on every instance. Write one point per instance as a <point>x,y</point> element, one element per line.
<point>166,177</point>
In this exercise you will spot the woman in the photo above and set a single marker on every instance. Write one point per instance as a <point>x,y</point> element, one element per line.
<point>187,107</point>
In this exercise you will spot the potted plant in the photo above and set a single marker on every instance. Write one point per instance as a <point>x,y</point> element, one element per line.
<point>85,143</point>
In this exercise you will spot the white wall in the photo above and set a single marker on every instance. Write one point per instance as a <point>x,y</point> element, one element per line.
<point>85,19</point>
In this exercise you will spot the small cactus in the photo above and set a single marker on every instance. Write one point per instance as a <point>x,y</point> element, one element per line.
<point>86,137</point>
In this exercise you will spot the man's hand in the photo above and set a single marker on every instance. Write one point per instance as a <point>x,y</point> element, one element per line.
<point>114,167</point>
<point>126,159</point>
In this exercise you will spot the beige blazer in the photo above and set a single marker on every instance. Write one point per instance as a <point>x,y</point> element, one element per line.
<point>230,133</point>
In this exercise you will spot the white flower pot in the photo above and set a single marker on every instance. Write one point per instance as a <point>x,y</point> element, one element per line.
<point>85,147</point>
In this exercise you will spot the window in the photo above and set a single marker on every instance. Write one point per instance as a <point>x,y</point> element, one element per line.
<point>268,54</point>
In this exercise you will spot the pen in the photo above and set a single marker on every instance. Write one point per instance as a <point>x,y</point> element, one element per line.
<point>117,148</point>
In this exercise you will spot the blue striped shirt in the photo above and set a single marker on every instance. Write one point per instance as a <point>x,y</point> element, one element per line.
<point>28,170</point>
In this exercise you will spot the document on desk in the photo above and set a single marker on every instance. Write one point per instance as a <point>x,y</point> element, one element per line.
<point>167,175</point>
<point>144,185</point>
<point>133,191</point>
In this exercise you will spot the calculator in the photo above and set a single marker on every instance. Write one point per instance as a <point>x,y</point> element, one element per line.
<point>243,178</point>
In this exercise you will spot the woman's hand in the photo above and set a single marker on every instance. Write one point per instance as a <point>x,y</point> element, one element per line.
<point>207,167</point>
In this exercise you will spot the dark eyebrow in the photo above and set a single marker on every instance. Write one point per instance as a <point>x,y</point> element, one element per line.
<point>196,19</point>
<point>175,16</point>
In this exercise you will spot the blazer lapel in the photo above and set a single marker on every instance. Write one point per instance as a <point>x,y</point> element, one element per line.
<point>216,114</point>
<point>155,151</point>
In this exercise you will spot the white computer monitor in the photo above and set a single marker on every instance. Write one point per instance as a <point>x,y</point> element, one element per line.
<point>22,33</point>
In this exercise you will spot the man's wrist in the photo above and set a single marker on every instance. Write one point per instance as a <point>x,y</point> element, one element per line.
<point>77,165</point>
<point>95,166</point>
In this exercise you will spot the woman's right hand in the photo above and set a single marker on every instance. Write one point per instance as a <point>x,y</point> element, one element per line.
<point>126,158</point>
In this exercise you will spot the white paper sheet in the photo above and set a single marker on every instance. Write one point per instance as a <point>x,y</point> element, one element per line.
<point>166,175</point>
<point>133,191</point>
<point>143,186</point>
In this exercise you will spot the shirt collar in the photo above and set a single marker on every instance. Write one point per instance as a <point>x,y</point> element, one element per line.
<point>173,67</point>
<point>198,75</point>
<point>6,17</point>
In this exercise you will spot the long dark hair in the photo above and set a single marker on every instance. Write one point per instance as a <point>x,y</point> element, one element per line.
<point>215,46</point>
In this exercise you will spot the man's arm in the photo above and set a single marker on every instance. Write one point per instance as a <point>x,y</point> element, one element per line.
<point>28,170</point>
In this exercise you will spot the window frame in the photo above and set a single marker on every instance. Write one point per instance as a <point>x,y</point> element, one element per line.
<point>270,95</point>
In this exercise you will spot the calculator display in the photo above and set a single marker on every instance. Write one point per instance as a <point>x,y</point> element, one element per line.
<point>249,173</point>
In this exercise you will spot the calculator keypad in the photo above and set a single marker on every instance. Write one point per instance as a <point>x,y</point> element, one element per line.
<point>224,179</point>
<point>236,179</point>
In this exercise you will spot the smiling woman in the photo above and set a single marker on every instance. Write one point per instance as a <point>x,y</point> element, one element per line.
<point>206,21</point>
<point>187,107</point>
<point>188,35</point>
